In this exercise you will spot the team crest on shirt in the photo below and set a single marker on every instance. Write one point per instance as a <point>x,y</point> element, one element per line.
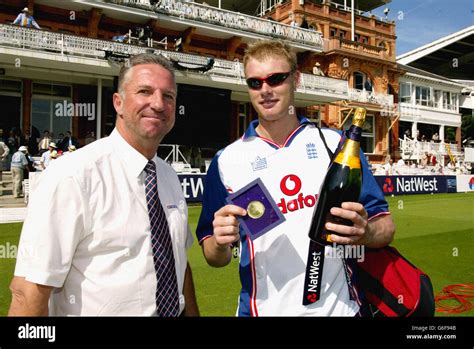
<point>259,163</point>
<point>311,151</point>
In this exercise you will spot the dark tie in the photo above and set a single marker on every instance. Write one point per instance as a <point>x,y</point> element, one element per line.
<point>167,299</point>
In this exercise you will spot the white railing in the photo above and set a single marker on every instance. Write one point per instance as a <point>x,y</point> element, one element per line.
<point>48,41</point>
<point>229,19</point>
<point>232,71</point>
<point>320,83</point>
<point>364,96</point>
<point>413,149</point>
<point>356,11</point>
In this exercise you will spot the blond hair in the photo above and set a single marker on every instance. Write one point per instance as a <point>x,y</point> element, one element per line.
<point>264,49</point>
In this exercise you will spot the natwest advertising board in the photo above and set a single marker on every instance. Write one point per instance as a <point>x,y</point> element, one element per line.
<point>405,185</point>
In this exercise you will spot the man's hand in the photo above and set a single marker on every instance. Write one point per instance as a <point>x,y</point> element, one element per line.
<point>378,232</point>
<point>226,225</point>
<point>359,233</point>
<point>226,231</point>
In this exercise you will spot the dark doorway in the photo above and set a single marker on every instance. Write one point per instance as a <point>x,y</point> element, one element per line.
<point>11,114</point>
<point>202,118</point>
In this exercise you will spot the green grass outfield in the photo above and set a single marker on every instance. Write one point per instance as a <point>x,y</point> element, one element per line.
<point>435,232</point>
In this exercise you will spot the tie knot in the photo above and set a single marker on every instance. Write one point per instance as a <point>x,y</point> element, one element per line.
<point>150,167</point>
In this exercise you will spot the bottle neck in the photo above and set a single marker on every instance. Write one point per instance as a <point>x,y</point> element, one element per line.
<point>349,153</point>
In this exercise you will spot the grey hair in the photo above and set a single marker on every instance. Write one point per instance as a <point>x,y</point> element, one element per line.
<point>143,58</point>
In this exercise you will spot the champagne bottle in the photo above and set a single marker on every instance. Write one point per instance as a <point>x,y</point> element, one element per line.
<point>342,183</point>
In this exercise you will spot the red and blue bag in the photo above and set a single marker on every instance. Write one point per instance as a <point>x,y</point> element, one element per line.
<point>392,286</point>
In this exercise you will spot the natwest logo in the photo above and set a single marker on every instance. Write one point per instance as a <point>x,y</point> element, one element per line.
<point>388,186</point>
<point>290,185</point>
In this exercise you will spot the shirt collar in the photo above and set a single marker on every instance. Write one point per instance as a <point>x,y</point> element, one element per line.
<point>251,132</point>
<point>134,161</point>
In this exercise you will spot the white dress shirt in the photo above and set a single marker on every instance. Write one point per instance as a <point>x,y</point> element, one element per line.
<point>87,231</point>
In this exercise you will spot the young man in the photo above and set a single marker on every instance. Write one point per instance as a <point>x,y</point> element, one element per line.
<point>287,153</point>
<point>107,227</point>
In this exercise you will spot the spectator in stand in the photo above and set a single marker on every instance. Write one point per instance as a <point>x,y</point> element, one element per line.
<point>423,138</point>
<point>317,69</point>
<point>61,141</point>
<point>4,151</point>
<point>418,137</point>
<point>18,165</point>
<point>433,160</point>
<point>368,84</point>
<point>70,149</point>
<point>122,38</point>
<point>388,166</point>
<point>46,156</point>
<point>90,137</point>
<point>25,19</point>
<point>304,24</point>
<point>31,165</point>
<point>435,137</point>
<point>424,160</point>
<point>43,144</point>
<point>407,134</point>
<point>293,22</point>
<point>70,140</point>
<point>31,143</point>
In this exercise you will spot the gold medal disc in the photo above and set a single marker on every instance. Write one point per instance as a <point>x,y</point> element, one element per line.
<point>255,209</point>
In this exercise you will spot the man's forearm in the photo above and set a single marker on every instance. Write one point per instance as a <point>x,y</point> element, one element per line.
<point>382,230</point>
<point>28,299</point>
<point>191,308</point>
<point>216,256</point>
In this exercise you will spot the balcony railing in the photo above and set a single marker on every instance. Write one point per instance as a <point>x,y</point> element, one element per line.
<point>229,19</point>
<point>371,97</point>
<point>359,47</point>
<point>71,45</point>
<point>415,149</point>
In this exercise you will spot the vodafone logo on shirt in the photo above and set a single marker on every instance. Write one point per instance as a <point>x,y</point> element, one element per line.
<point>294,199</point>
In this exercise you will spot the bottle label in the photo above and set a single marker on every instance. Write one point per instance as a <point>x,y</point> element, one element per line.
<point>348,160</point>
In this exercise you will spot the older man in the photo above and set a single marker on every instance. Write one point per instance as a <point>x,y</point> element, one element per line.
<point>119,245</point>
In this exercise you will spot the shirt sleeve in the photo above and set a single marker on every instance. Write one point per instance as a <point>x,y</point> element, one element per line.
<point>33,22</point>
<point>17,19</point>
<point>53,227</point>
<point>371,195</point>
<point>213,199</point>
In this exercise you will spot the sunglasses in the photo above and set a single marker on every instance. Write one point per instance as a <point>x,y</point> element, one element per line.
<point>272,80</point>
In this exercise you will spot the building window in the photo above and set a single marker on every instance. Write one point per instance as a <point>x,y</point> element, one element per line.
<point>365,40</point>
<point>405,92</point>
<point>356,37</point>
<point>359,79</point>
<point>450,100</point>
<point>49,107</point>
<point>437,98</point>
<point>332,32</point>
<point>51,90</point>
<point>10,86</point>
<point>367,142</point>
<point>342,34</point>
<point>242,119</point>
<point>423,96</point>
